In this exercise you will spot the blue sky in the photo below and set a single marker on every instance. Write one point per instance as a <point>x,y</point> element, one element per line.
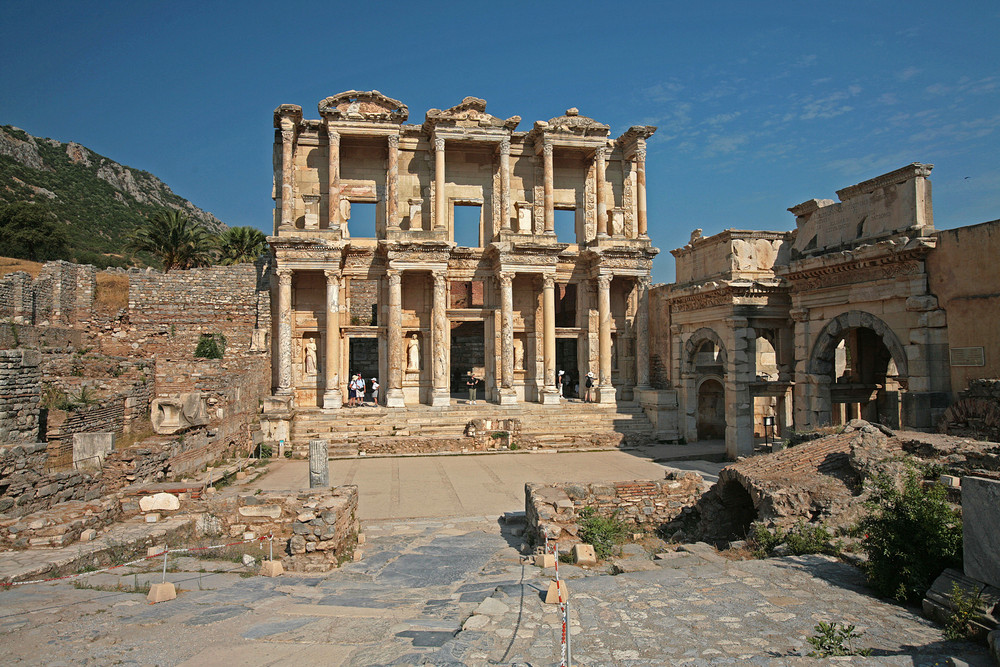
<point>760,106</point>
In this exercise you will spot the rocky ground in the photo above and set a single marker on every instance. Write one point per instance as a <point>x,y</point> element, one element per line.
<point>456,592</point>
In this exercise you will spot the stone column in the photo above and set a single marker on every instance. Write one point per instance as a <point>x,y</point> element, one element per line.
<point>550,201</point>
<point>392,184</point>
<point>640,184</point>
<point>394,332</point>
<point>602,203</point>
<point>739,375</point>
<point>333,180</point>
<point>332,398</point>
<point>284,331</point>
<point>642,334</point>
<point>605,392</point>
<point>441,392</point>
<point>548,393</point>
<point>505,184</point>
<point>440,204</point>
<point>319,464</point>
<point>507,394</point>
<point>287,172</point>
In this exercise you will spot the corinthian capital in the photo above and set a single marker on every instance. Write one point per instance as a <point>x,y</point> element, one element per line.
<point>395,280</point>
<point>505,147</point>
<point>506,278</point>
<point>284,276</point>
<point>548,281</point>
<point>332,276</point>
<point>547,149</point>
<point>604,282</point>
<point>393,141</point>
<point>438,143</point>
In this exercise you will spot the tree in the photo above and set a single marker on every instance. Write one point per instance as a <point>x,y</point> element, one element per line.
<point>27,231</point>
<point>238,245</point>
<point>175,239</point>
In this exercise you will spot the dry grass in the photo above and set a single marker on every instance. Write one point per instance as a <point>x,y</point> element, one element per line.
<point>112,292</point>
<point>10,265</point>
<point>139,430</point>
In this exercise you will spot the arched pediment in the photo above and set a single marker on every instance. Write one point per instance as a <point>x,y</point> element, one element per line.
<point>357,105</point>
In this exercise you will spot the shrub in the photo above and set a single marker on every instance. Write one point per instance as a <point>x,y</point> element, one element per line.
<point>763,539</point>
<point>834,639</point>
<point>963,606</point>
<point>604,533</point>
<point>264,451</point>
<point>805,538</point>
<point>210,346</point>
<point>911,536</point>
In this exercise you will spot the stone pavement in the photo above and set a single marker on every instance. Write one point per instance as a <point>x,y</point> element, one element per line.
<point>481,484</point>
<point>455,592</point>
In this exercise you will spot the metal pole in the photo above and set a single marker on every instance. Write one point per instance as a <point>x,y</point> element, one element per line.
<point>271,547</point>
<point>569,639</point>
<point>164,564</point>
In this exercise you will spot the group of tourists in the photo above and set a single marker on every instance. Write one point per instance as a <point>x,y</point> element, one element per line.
<point>357,388</point>
<point>563,381</point>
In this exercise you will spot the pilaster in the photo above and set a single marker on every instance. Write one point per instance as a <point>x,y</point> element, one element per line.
<point>392,184</point>
<point>333,179</point>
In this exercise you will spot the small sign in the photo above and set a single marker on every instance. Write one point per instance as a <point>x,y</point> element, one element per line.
<point>968,356</point>
<point>768,421</point>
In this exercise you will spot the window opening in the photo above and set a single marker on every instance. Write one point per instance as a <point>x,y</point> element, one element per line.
<point>565,225</point>
<point>362,222</point>
<point>468,222</point>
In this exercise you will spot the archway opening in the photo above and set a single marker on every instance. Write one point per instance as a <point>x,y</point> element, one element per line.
<point>865,380</point>
<point>468,353</point>
<point>711,410</point>
<point>738,509</point>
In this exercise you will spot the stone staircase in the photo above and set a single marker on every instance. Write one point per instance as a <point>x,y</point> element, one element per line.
<point>571,425</point>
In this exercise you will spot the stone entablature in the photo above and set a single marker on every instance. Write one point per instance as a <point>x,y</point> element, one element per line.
<point>381,291</point>
<point>733,254</point>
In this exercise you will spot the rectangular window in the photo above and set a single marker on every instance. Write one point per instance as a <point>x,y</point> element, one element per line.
<point>565,225</point>
<point>468,222</point>
<point>362,222</point>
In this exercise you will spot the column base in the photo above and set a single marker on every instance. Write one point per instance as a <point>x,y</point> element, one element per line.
<point>507,397</point>
<point>440,398</point>
<point>394,399</point>
<point>548,396</point>
<point>606,395</point>
<point>333,400</point>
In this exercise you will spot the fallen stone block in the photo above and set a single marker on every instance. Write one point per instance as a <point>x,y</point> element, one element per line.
<point>545,560</point>
<point>152,518</point>
<point>583,554</point>
<point>88,535</point>
<point>161,592</point>
<point>159,502</point>
<point>624,565</point>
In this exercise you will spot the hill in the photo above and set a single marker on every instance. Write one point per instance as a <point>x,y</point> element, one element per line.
<point>98,200</point>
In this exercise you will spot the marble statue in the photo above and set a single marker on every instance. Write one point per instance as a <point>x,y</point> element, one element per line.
<point>413,353</point>
<point>310,353</point>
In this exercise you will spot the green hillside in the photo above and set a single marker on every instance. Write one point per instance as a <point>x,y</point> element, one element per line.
<point>97,201</point>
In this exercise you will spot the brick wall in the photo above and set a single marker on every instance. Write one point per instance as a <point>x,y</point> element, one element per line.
<point>168,312</point>
<point>20,385</point>
<point>553,510</point>
<point>363,295</point>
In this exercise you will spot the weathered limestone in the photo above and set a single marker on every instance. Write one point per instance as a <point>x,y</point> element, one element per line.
<point>441,395</point>
<point>394,396</point>
<point>284,331</point>
<point>605,392</point>
<point>332,397</point>
<point>980,541</point>
<point>319,464</point>
<point>173,414</point>
<point>507,396</point>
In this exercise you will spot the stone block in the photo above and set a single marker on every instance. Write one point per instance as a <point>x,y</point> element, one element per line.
<point>583,554</point>
<point>160,502</point>
<point>555,590</point>
<point>88,535</point>
<point>921,303</point>
<point>271,568</point>
<point>90,449</point>
<point>155,550</point>
<point>152,517</point>
<point>268,511</point>
<point>980,538</point>
<point>240,476</point>
<point>545,560</point>
<point>319,464</point>
<point>161,593</point>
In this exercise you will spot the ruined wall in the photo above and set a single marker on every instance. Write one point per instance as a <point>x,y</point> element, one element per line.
<point>20,384</point>
<point>168,312</point>
<point>553,510</point>
<point>26,486</point>
<point>63,293</point>
<point>962,272</point>
<point>28,335</point>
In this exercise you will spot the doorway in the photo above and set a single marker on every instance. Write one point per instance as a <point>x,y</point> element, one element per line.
<point>566,361</point>
<point>711,410</point>
<point>468,353</point>
<point>364,359</point>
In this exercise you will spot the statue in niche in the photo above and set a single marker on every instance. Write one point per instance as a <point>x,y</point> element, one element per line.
<point>518,354</point>
<point>310,356</point>
<point>413,353</point>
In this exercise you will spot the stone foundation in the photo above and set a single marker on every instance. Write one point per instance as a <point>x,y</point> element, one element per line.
<point>59,525</point>
<point>26,487</point>
<point>553,510</point>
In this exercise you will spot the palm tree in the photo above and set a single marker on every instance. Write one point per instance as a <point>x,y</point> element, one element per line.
<point>175,239</point>
<point>238,245</point>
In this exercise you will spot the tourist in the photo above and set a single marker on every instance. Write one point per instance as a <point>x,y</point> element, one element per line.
<point>375,391</point>
<point>559,383</point>
<point>589,384</point>
<point>362,388</point>
<point>471,382</point>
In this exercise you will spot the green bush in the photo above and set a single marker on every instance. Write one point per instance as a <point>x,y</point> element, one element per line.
<point>604,533</point>
<point>264,451</point>
<point>910,537</point>
<point>763,539</point>
<point>210,346</point>
<point>834,639</point>
<point>963,606</point>
<point>805,538</point>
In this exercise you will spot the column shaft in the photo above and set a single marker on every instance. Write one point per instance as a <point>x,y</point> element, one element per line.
<point>440,204</point>
<point>604,332</point>
<point>392,184</point>
<point>439,341</point>
<point>506,330</point>
<point>505,222</point>
<point>394,332</point>
<point>602,203</point>
<point>287,170</point>
<point>331,365</point>
<point>284,331</point>
<point>642,333</point>
<point>333,180</point>
<point>550,202</point>
<point>640,181</point>
<point>549,319</point>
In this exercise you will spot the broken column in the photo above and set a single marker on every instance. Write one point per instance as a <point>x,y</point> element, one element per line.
<point>319,464</point>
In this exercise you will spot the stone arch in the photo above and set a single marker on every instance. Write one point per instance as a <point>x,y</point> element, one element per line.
<point>821,359</point>
<point>694,342</point>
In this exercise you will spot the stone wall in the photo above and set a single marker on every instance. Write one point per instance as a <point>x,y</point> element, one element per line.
<point>26,486</point>
<point>20,385</point>
<point>63,293</point>
<point>168,312</point>
<point>28,335</point>
<point>553,510</point>
<point>314,531</point>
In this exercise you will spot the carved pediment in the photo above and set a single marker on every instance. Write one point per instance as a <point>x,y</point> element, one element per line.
<point>470,113</point>
<point>573,123</point>
<point>357,105</point>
